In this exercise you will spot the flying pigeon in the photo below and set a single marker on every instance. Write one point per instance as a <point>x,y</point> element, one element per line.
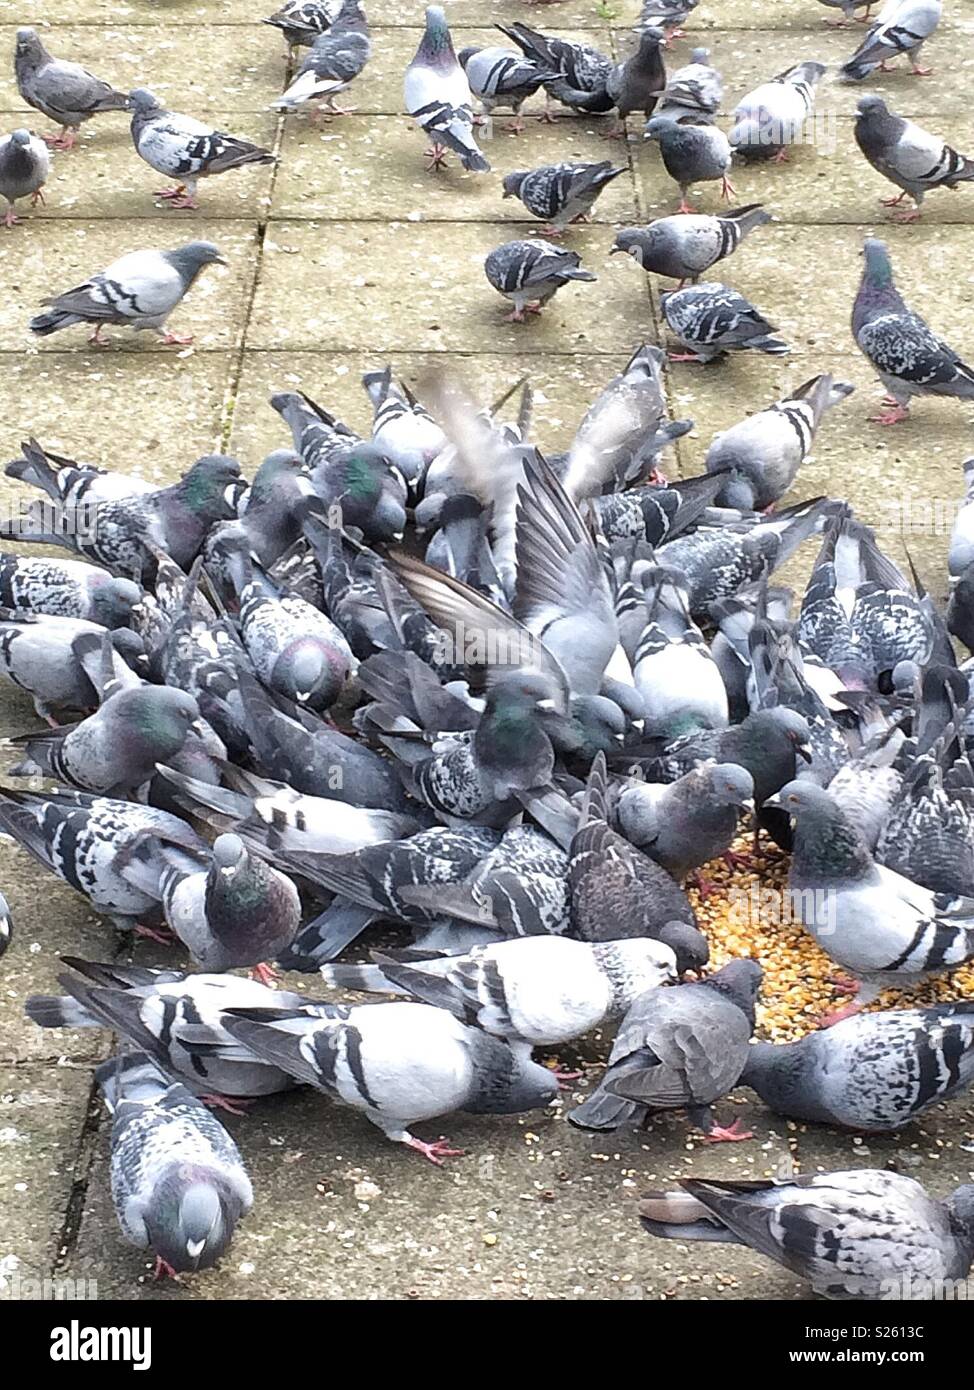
<point>63,91</point>
<point>185,149</point>
<point>560,193</point>
<point>907,155</point>
<point>438,97</point>
<point>529,273</point>
<point>139,290</point>
<point>24,167</point>
<point>685,246</point>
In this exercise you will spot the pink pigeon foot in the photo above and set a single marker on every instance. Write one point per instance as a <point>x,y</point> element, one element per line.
<point>730,1135</point>
<point>163,1269</point>
<point>682,357</point>
<point>515,316</point>
<point>177,339</point>
<point>435,1152</point>
<point>685,206</point>
<point>907,215</point>
<point>552,231</point>
<point>782,156</point>
<point>891,417</point>
<point>842,985</point>
<point>891,202</point>
<point>232,1107</point>
<point>921,72</point>
<point>704,885</point>
<point>658,479</point>
<point>38,197</point>
<point>516,126</point>
<point>162,935</point>
<point>735,860</point>
<point>831,1019</point>
<point>176,192</point>
<point>727,189</point>
<point>264,974</point>
<point>10,218</point>
<point>65,140</point>
<point>436,155</point>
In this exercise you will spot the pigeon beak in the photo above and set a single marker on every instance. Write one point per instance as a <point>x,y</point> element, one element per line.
<point>219,260</point>
<point>613,250</point>
<point>748,804</point>
<point>804,751</point>
<point>773,800</point>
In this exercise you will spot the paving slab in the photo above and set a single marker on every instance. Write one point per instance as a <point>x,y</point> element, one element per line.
<point>374,164</point>
<point>53,257</point>
<point>441,300</point>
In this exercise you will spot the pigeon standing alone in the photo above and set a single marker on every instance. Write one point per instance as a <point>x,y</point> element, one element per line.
<point>24,167</point>
<point>560,193</point>
<point>529,273</point>
<point>907,155</point>
<point>65,92</point>
<point>711,319</point>
<point>692,154</point>
<point>185,149</point>
<point>439,99</point>
<point>902,27</point>
<point>139,290</point>
<point>684,246</point>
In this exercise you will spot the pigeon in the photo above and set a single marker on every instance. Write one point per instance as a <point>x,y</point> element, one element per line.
<point>692,154</point>
<point>867,1234</point>
<point>961,552</point>
<point>694,91</point>
<point>679,1049</point>
<point>670,15</point>
<point>503,77</point>
<point>848,8</point>
<point>234,910</point>
<point>178,1182</point>
<point>301,21</point>
<point>276,506</point>
<point>403,430</point>
<point>139,290</point>
<point>907,155</point>
<point>174,1017</point>
<point>336,59</point>
<point>114,852</point>
<point>903,26</point>
<point>39,654</point>
<point>397,1063</point>
<point>636,84</point>
<point>878,926</point>
<point>185,149</point>
<point>114,750</point>
<point>539,990</point>
<point>760,457</point>
<point>560,193</point>
<point>711,319</point>
<point>685,824</point>
<point>438,97</point>
<point>6,925</point>
<point>74,486</point>
<point>63,91</point>
<point>773,116</point>
<point>683,247</point>
<point>583,73</point>
<point>909,359</point>
<point>872,1073</point>
<point>673,670</point>
<point>67,589</point>
<point>24,167</point>
<point>529,273</point>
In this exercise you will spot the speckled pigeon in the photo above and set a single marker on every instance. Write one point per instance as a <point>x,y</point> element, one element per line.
<point>711,319</point>
<point>529,273</point>
<point>185,149</point>
<point>560,193</point>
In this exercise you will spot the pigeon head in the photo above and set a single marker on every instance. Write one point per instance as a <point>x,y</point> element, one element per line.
<point>114,602</point>
<point>512,182</point>
<point>129,645</point>
<point>633,967</point>
<point>688,944</point>
<point>141,100</point>
<point>20,137</point>
<point>828,846</point>
<point>658,127</point>
<point>960,1208</point>
<point>594,724</point>
<point>872,106</point>
<point>462,506</point>
<point>229,853</point>
<point>190,1220</point>
<point>313,674</point>
<point>160,716</point>
<point>731,785</point>
<point>190,259</point>
<point>878,271</point>
<point>6,925</point>
<point>699,55</point>
<point>209,486</point>
<point>737,490</point>
<point>437,45</point>
<point>739,981</point>
<point>29,48</point>
<point>463,58</point>
<point>373,495</point>
<point>633,240</point>
<point>785,726</point>
<point>651,37</point>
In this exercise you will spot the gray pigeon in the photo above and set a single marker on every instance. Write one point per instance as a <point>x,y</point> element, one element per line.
<point>63,91</point>
<point>560,193</point>
<point>403,430</point>
<point>336,59</point>
<point>397,1063</point>
<point>114,852</point>
<point>773,116</point>
<point>185,149</point>
<point>235,910</point>
<point>901,27</point>
<point>637,83</point>
<point>538,990</point>
<point>72,485</point>
<point>692,154</point>
<point>872,1073</point>
<point>961,552</point>
<point>760,457</point>
<point>683,247</point>
<point>685,824</point>
<point>24,167</point>
<point>139,290</point>
<point>676,1049</point>
<point>673,670</point>
<point>67,589</point>
<point>907,155</point>
<point>178,1182</point>
<point>583,72</point>
<point>438,96</point>
<point>114,750</point>
<point>503,77</point>
<point>301,21</point>
<point>529,273</point>
<point>693,91</point>
<point>880,927</point>
<point>670,15</point>
<point>6,925</point>
<point>38,654</point>
<point>711,319</point>
<point>867,1234</point>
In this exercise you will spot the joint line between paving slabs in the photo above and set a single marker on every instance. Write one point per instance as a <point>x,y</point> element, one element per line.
<point>84,1161</point>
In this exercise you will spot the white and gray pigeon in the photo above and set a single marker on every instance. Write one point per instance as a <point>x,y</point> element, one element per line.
<point>773,115</point>
<point>560,193</point>
<point>880,927</point>
<point>139,290</point>
<point>529,273</point>
<point>866,1234</point>
<point>692,154</point>
<point>39,654</point>
<point>503,77</point>
<point>760,457</point>
<point>901,27</point>
<point>71,484</point>
<point>178,1182</point>
<point>679,1049</point>
<point>63,91</point>
<point>301,21</point>
<point>402,428</point>
<point>873,1073</point>
<point>184,149</point>
<point>673,671</point>
<point>67,589</point>
<point>685,824</point>
<point>909,359</point>
<point>336,59</point>
<point>961,552</point>
<point>693,91</point>
<point>684,246</point>
<point>711,319</point>
<point>670,15</point>
<point>907,155</point>
<point>539,990</point>
<point>398,1064</point>
<point>24,167</point>
<point>439,99</point>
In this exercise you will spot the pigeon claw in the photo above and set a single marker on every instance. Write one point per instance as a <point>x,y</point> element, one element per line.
<point>177,339</point>
<point>435,1152</point>
<point>10,218</point>
<point>163,1269</point>
<point>891,202</point>
<point>892,416</point>
<point>218,1102</point>
<point>436,155</point>
<point>729,1135</point>
<point>838,1015</point>
<point>264,974</point>
<point>727,189</point>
